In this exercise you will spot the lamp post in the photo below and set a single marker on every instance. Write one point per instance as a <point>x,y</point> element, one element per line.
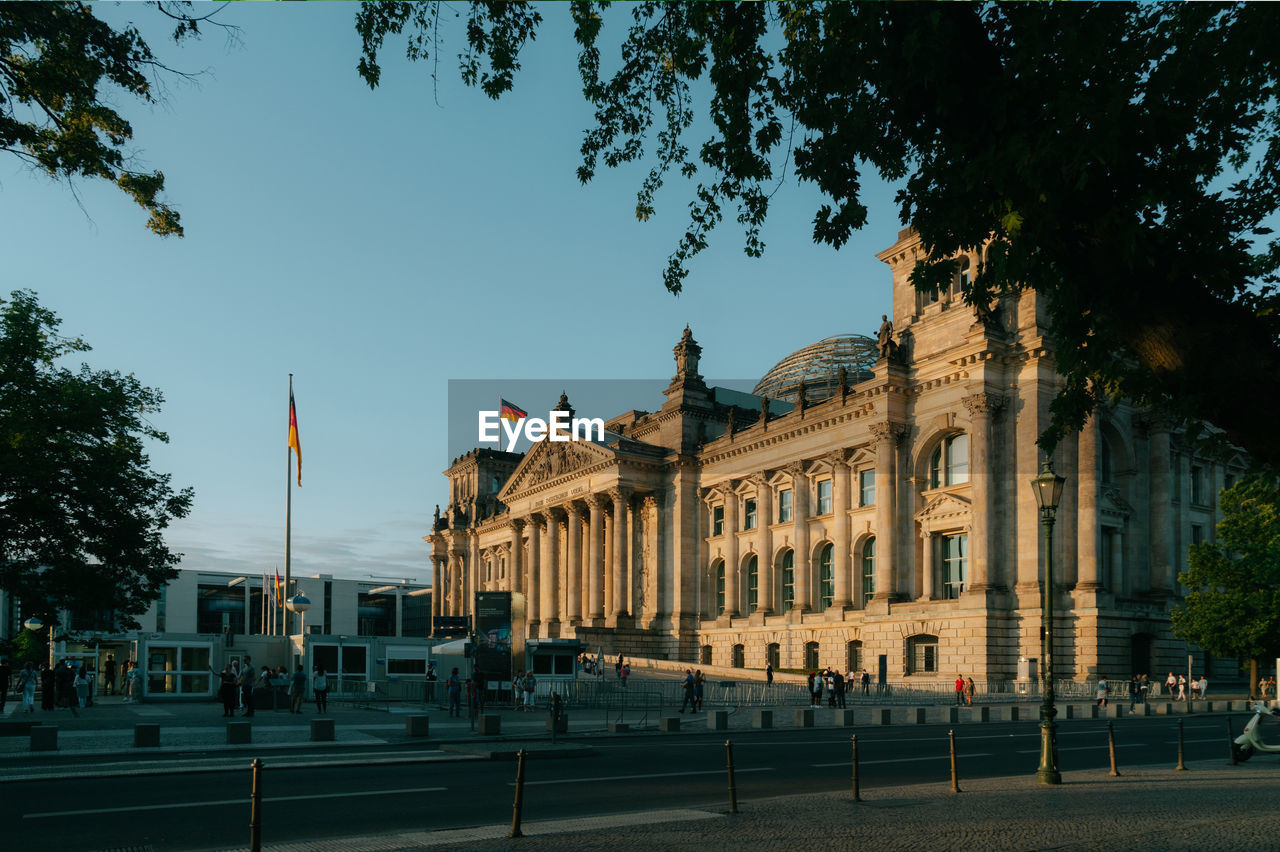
<point>35,624</point>
<point>300,603</point>
<point>1048,490</point>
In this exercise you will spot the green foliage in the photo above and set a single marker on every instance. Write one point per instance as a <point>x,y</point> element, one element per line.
<point>1123,157</point>
<point>81,512</point>
<point>61,68</point>
<point>1232,608</point>
<point>27,647</point>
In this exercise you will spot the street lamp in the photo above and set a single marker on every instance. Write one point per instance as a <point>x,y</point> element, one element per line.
<point>35,624</point>
<point>300,603</point>
<point>1048,490</point>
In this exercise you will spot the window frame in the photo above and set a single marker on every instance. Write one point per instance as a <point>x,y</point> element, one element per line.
<point>865,476</point>
<point>922,654</point>
<point>749,513</point>
<point>826,577</point>
<point>717,521</point>
<point>787,576</point>
<point>953,586</point>
<point>868,563</point>
<point>824,501</point>
<point>786,506</point>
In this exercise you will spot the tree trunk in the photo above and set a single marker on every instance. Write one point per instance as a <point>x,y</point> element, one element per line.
<point>1253,679</point>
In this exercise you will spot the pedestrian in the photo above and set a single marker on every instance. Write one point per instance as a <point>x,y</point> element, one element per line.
<point>6,675</point>
<point>1262,687</point>
<point>109,675</point>
<point>1104,689</point>
<point>768,672</point>
<point>1204,687</point>
<point>530,689</point>
<point>244,682</point>
<point>517,690</point>
<point>226,689</point>
<point>811,678</point>
<point>1144,689</point>
<point>320,687</point>
<point>618,667</point>
<point>829,682</point>
<point>65,683</point>
<point>431,671</point>
<point>699,684</point>
<point>48,686</point>
<point>626,673</point>
<point>1271,686</point>
<point>960,689</point>
<point>453,687</point>
<point>1182,687</point>
<point>969,689</point>
<point>81,684</point>
<point>1171,684</point>
<point>126,680</point>
<point>838,685</point>
<point>689,697</point>
<point>27,685</point>
<point>866,682</point>
<point>297,689</point>
<point>817,691</point>
<point>1135,684</point>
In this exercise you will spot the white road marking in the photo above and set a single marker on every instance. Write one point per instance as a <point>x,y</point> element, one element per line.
<point>904,759</point>
<point>239,801</point>
<point>638,777</point>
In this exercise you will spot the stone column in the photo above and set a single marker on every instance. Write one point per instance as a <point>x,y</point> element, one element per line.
<point>573,559</point>
<point>515,573</point>
<point>1161,508</point>
<point>595,561</point>
<point>473,558</point>
<point>1087,538</point>
<point>800,538</point>
<point>550,574</point>
<point>654,606</point>
<point>532,586</point>
<point>926,565</point>
<point>983,408</point>
<point>730,550</point>
<point>764,545</point>
<point>621,504</point>
<point>437,593</point>
<point>840,492</point>
<point>886,439</point>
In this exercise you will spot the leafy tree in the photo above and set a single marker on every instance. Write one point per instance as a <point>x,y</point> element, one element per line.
<point>60,66</point>
<point>1120,159</point>
<point>28,647</point>
<point>81,511</point>
<point>1232,607</point>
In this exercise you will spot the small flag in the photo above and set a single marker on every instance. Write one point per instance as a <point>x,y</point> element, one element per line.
<point>276,594</point>
<point>294,443</point>
<point>507,411</point>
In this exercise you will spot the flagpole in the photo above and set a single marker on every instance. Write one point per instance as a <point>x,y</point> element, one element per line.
<point>262,620</point>
<point>288,519</point>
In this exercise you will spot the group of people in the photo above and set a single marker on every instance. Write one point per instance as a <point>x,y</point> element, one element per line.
<point>1176,686</point>
<point>832,682</point>
<point>68,684</point>
<point>694,686</point>
<point>238,680</point>
<point>965,688</point>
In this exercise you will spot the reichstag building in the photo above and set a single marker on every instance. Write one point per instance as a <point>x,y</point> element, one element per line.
<point>869,506</point>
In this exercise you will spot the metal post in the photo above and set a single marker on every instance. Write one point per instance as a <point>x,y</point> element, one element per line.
<point>1182,766</point>
<point>518,806</point>
<point>955,779</point>
<point>255,807</point>
<point>1231,751</point>
<point>1048,771</point>
<point>853,742</point>
<point>1111,747</point>
<point>733,789</point>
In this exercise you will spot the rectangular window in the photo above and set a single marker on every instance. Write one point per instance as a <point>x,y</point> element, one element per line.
<point>717,520</point>
<point>1197,485</point>
<point>824,497</point>
<point>753,585</point>
<point>867,487</point>
<point>1197,534</point>
<point>922,657</point>
<point>749,514</point>
<point>955,565</point>
<point>784,505</point>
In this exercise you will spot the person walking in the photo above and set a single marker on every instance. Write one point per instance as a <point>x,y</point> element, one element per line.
<point>6,675</point>
<point>320,686</point>
<point>626,673</point>
<point>27,686</point>
<point>1171,684</point>
<point>454,688</point>
<point>618,666</point>
<point>530,686</point>
<point>699,685</point>
<point>866,682</point>
<point>65,683</point>
<point>1135,684</point>
<point>244,683</point>
<point>297,689</point>
<point>768,672</point>
<point>1104,689</point>
<point>838,686</point>
<point>226,689</point>
<point>1182,687</point>
<point>109,675</point>
<point>81,684</point>
<point>960,689</point>
<point>48,687</point>
<point>969,689</point>
<point>688,692</point>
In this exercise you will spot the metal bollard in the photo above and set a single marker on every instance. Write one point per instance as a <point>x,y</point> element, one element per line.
<point>853,741</point>
<point>255,806</point>
<point>1182,766</point>
<point>1231,739</point>
<point>519,802</point>
<point>955,779</point>
<point>733,789</point>
<point>1111,747</point>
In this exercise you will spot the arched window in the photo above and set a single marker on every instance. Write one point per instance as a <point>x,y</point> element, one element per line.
<point>753,584</point>
<point>739,657</point>
<point>960,285</point>
<point>720,588</point>
<point>811,655</point>
<point>868,570</point>
<point>922,654</point>
<point>853,656</point>
<point>826,577</point>
<point>788,580</point>
<point>705,657</point>
<point>949,464</point>
<point>773,655</point>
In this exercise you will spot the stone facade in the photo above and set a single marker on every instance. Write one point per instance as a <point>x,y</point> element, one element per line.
<point>892,524</point>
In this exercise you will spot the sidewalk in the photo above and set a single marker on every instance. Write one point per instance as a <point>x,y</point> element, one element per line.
<point>1209,807</point>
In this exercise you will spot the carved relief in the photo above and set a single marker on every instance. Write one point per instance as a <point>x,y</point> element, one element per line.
<point>983,404</point>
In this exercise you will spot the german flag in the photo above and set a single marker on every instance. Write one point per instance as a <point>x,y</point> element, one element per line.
<point>294,443</point>
<point>507,411</point>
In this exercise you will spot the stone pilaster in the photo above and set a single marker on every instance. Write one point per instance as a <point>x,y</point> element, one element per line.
<point>550,575</point>
<point>886,437</point>
<point>840,496</point>
<point>532,584</point>
<point>515,565</point>
<point>621,507</point>
<point>595,559</point>
<point>800,538</point>
<point>731,567</point>
<point>764,546</point>
<point>573,560</point>
<point>983,409</point>
<point>1087,534</point>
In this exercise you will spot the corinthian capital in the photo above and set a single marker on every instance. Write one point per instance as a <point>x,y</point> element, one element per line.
<point>983,404</point>
<point>889,431</point>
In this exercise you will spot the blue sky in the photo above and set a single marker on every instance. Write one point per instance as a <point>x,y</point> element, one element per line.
<point>378,245</point>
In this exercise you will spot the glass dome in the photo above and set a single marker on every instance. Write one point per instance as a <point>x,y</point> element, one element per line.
<point>817,365</point>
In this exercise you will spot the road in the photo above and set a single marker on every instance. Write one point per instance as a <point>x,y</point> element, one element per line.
<point>634,773</point>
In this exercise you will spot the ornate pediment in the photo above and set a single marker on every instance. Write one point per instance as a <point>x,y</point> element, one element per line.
<point>945,511</point>
<point>1114,505</point>
<point>548,460</point>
